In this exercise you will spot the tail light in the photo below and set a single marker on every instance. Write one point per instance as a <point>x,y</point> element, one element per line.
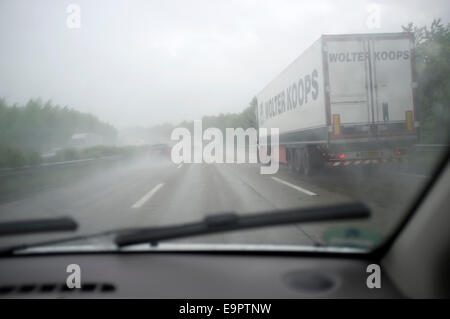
<point>338,156</point>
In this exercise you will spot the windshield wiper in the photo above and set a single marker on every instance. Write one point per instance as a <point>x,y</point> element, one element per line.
<point>37,226</point>
<point>212,224</point>
<point>231,221</point>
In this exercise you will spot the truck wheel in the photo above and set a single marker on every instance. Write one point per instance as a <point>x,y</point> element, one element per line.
<point>292,160</point>
<point>288,158</point>
<point>296,160</point>
<point>306,162</point>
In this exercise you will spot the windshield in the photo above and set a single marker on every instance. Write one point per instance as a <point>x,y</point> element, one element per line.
<point>121,115</point>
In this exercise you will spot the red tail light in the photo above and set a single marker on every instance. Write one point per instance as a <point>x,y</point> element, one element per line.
<point>398,153</point>
<point>338,156</point>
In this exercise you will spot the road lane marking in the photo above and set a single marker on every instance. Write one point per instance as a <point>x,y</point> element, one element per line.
<point>147,196</point>
<point>294,186</point>
<point>410,174</point>
<point>180,165</point>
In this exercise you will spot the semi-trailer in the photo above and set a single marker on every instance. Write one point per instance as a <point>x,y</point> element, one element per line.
<point>347,100</point>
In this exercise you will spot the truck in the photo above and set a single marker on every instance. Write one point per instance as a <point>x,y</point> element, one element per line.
<point>348,100</point>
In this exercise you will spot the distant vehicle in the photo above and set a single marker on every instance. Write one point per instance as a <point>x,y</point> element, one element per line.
<point>159,150</point>
<point>347,100</point>
<point>82,140</point>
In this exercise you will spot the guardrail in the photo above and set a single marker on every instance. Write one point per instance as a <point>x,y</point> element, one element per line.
<point>22,169</point>
<point>430,147</point>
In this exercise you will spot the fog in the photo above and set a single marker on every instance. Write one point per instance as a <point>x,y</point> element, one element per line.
<point>140,63</point>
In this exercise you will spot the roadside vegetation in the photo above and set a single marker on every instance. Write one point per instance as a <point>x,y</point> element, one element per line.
<point>28,131</point>
<point>432,95</point>
<point>12,157</point>
<point>44,126</point>
<point>244,119</point>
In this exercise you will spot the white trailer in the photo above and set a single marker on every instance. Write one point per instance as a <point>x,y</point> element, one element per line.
<point>347,100</point>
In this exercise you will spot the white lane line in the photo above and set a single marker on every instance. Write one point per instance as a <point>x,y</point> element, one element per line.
<point>147,196</point>
<point>408,174</point>
<point>294,186</point>
<point>180,165</point>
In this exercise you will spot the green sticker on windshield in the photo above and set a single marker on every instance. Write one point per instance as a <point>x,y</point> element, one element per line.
<point>352,237</point>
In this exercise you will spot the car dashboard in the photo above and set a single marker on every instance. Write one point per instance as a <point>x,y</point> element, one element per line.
<point>191,275</point>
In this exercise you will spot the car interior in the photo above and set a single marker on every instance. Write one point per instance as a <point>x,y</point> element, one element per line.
<point>227,151</point>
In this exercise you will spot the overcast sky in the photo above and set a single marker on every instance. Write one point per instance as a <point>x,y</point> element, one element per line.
<point>140,63</point>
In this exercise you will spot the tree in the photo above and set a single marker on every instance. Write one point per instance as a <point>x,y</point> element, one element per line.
<point>41,127</point>
<point>432,95</point>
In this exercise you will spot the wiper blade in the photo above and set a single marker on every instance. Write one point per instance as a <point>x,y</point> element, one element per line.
<point>231,221</point>
<point>37,226</point>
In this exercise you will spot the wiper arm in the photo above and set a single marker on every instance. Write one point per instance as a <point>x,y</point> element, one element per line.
<point>231,221</point>
<point>37,226</point>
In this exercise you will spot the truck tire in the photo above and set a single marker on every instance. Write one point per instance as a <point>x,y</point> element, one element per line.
<point>298,161</point>
<point>288,159</point>
<point>307,167</point>
<point>292,159</point>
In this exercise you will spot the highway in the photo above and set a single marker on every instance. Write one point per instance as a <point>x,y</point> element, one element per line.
<point>154,191</point>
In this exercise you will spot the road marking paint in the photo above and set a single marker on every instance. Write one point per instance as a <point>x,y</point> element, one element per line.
<point>180,165</point>
<point>294,186</point>
<point>410,174</point>
<point>147,196</point>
